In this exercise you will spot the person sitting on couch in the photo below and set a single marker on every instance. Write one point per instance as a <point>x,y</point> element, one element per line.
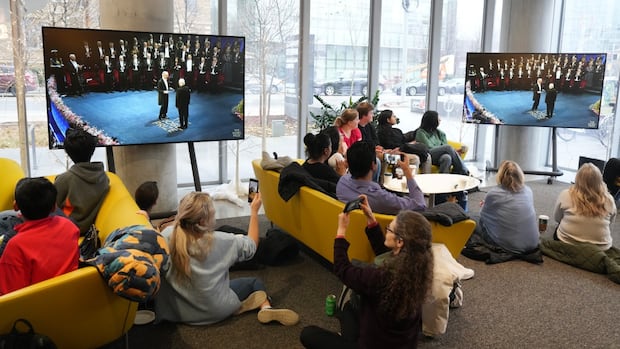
<point>362,165</point>
<point>81,190</point>
<point>45,245</point>
<point>392,138</point>
<point>318,150</point>
<point>442,154</point>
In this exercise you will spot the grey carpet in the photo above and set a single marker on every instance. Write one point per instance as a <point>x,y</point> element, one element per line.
<point>508,305</point>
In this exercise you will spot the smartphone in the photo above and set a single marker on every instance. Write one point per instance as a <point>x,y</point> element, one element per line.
<point>252,189</point>
<point>353,205</point>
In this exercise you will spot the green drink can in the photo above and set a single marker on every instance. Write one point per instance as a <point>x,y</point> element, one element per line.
<point>330,305</point>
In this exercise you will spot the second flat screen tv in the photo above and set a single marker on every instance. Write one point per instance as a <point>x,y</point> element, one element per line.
<point>109,83</point>
<point>534,89</point>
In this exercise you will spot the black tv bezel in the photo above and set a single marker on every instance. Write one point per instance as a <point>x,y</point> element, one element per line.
<point>495,55</point>
<point>114,35</point>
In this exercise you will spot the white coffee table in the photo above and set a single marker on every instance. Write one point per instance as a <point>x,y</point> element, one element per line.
<point>435,183</point>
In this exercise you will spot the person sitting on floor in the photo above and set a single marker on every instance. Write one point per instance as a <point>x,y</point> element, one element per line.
<point>146,196</point>
<point>586,210</point>
<point>81,190</point>
<point>196,288</point>
<point>508,218</point>
<point>611,177</point>
<point>362,164</point>
<point>393,293</point>
<point>45,245</point>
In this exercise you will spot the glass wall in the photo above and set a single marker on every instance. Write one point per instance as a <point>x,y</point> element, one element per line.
<point>580,34</point>
<point>338,67</point>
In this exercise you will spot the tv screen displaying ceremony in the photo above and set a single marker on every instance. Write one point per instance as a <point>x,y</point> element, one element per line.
<point>534,89</point>
<point>130,88</point>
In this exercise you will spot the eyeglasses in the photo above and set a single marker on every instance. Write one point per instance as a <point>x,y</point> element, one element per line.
<point>393,232</point>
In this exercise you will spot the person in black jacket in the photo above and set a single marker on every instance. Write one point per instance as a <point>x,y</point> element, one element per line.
<point>182,103</point>
<point>393,140</point>
<point>389,314</point>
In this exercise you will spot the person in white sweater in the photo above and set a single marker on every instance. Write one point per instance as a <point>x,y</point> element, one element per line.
<point>197,289</point>
<point>586,210</point>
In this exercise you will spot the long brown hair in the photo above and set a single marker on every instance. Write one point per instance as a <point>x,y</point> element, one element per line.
<point>193,233</point>
<point>589,193</point>
<point>410,272</point>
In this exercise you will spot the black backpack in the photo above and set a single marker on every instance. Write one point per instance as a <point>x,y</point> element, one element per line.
<point>25,340</point>
<point>277,248</point>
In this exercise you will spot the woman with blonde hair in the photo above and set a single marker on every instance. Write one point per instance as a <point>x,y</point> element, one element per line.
<point>346,124</point>
<point>508,218</point>
<point>586,210</point>
<point>196,288</point>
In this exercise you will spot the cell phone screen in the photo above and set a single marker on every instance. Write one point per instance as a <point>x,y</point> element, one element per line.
<point>253,189</point>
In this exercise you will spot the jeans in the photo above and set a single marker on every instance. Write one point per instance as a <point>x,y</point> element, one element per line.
<point>243,287</point>
<point>445,156</point>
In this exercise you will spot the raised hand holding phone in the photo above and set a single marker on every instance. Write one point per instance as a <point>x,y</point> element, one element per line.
<point>252,189</point>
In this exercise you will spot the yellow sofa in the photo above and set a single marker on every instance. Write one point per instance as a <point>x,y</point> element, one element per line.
<point>78,309</point>
<point>312,217</point>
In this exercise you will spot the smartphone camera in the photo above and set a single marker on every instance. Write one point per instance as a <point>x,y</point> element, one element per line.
<point>353,205</point>
<point>391,159</point>
<point>253,189</point>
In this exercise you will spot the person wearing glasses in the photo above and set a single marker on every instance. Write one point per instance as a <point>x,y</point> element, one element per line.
<point>392,293</point>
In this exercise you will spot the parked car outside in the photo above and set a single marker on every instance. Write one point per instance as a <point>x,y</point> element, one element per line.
<point>448,86</point>
<point>451,86</point>
<point>345,84</point>
<point>253,84</point>
<point>7,80</point>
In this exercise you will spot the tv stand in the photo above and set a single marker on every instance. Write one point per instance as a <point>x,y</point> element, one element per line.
<point>554,158</point>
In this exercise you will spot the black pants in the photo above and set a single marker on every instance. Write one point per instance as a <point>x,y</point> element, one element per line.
<point>314,337</point>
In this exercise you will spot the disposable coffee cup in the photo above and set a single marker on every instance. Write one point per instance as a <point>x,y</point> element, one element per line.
<point>387,178</point>
<point>403,184</point>
<point>543,220</point>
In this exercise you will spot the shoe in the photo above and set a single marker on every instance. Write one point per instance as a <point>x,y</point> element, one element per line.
<point>286,317</point>
<point>254,301</point>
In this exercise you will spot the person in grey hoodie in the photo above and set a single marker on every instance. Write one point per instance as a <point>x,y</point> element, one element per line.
<point>83,187</point>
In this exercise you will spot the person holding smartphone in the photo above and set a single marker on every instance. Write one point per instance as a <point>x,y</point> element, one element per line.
<point>197,288</point>
<point>362,165</point>
<point>392,293</point>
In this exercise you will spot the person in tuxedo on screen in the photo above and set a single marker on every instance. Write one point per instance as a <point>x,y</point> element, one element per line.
<point>182,103</point>
<point>74,69</point>
<point>538,88</point>
<point>550,97</point>
<point>163,89</point>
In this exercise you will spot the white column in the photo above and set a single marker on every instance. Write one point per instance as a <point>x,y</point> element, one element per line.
<point>527,26</point>
<point>136,164</point>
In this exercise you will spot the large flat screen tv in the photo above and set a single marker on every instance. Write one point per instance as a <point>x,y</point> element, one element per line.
<point>106,82</point>
<point>503,88</point>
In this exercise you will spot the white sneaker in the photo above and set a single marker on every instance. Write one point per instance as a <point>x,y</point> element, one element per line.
<point>254,301</point>
<point>286,317</point>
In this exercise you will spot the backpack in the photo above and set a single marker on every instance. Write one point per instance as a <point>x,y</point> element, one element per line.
<point>25,340</point>
<point>277,248</point>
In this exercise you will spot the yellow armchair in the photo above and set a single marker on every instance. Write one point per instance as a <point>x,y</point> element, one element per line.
<point>11,173</point>
<point>77,309</point>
